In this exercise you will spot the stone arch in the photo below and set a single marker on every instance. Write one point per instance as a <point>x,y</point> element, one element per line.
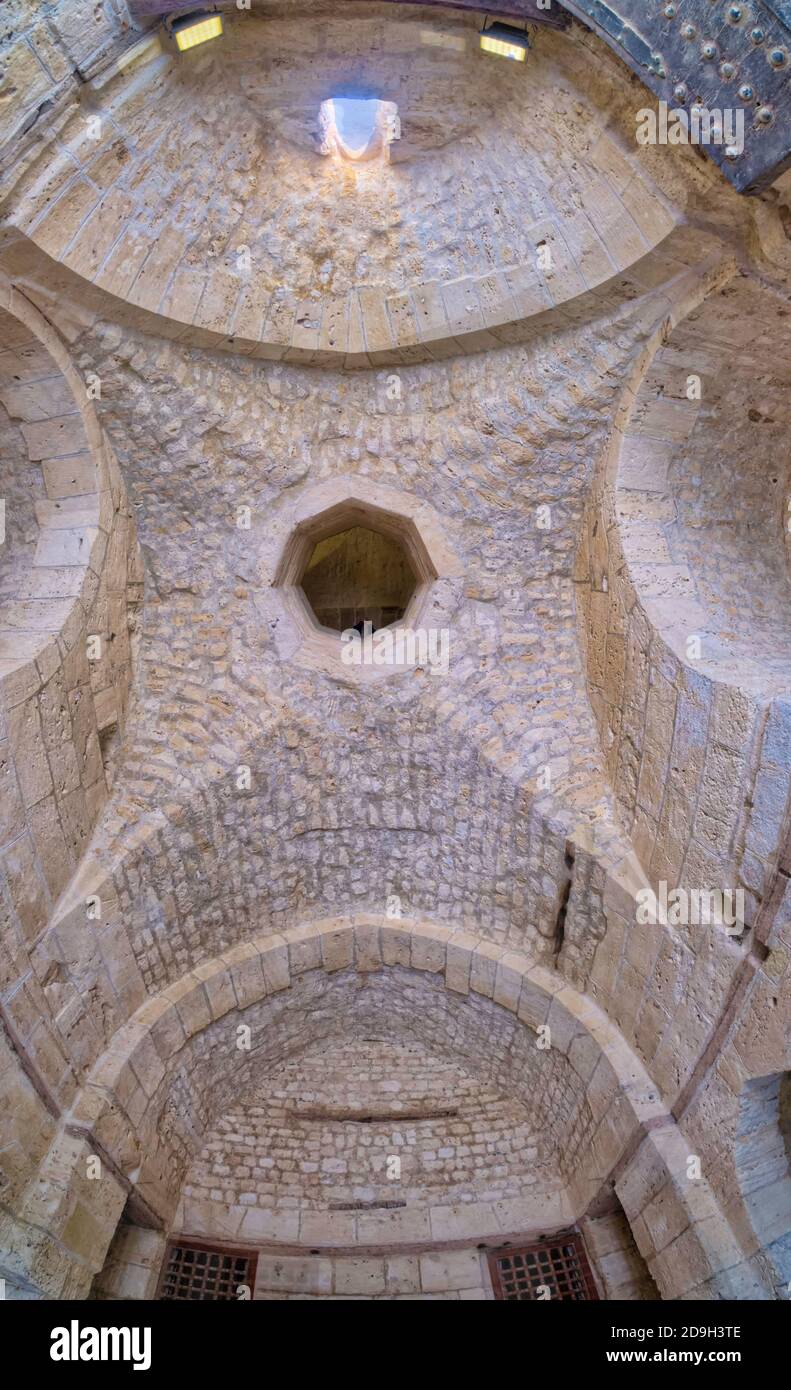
<point>55,547</point>
<point>70,574</point>
<point>92,213</point>
<point>696,535</point>
<point>634,1142</point>
<point>688,706</point>
<point>65,506</point>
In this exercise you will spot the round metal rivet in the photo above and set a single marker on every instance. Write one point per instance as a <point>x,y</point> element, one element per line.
<point>757,36</point>
<point>670,11</point>
<point>735,13</point>
<point>764,114</point>
<point>746,92</point>
<point>680,91</point>
<point>727,72</point>
<point>777,57</point>
<point>689,31</point>
<point>708,51</point>
<point>731,152</point>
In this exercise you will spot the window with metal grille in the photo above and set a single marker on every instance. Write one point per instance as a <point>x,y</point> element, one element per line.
<point>204,1272</point>
<point>559,1266</point>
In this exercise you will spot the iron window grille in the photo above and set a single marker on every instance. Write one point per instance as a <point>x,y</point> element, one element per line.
<point>193,1272</point>
<point>560,1266</point>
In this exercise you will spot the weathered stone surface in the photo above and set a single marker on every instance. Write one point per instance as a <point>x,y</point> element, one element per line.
<point>314,958</point>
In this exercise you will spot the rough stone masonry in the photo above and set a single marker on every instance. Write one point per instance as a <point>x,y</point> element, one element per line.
<point>339,970</point>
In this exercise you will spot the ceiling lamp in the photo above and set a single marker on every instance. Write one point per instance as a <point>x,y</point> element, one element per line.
<point>193,29</point>
<point>505,42</point>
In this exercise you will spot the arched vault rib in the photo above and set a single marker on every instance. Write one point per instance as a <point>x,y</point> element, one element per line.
<point>683,599</point>
<point>112,219</point>
<point>120,1110</point>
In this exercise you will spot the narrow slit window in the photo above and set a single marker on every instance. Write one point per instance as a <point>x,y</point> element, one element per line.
<point>358,128</point>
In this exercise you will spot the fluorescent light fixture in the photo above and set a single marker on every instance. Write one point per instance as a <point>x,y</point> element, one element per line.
<point>506,42</point>
<point>193,29</point>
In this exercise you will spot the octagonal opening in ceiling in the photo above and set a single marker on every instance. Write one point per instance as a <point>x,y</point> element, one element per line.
<point>353,562</point>
<point>356,576</point>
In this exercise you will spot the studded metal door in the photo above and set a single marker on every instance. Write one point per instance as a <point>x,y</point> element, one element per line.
<point>725,56</point>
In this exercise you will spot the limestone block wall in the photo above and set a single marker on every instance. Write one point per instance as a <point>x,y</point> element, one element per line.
<point>666,988</point>
<point>618,1266</point>
<point>71,576</point>
<point>322,1130</point>
<point>117,203</point>
<point>46,54</point>
<point>214,624</point>
<point>696,747</point>
<point>144,1085</point>
<point>677,1226</point>
<point>183,1108</point>
<point>695,741</point>
<point>455,1275</point>
<point>29,1128</point>
<point>131,1269</point>
<point>191,429</point>
<point>721,1115</point>
<point>762,1163</point>
<point>685,600</point>
<point>677,1004</point>
<point>509,799</point>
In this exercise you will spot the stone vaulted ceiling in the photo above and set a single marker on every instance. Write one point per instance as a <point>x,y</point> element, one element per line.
<point>732,56</point>
<point>551,365</point>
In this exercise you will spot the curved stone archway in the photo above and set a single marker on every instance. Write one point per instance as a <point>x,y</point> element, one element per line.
<point>70,584</point>
<point>689,685</point>
<point>240,278</point>
<point>58,470</point>
<point>487,346</point>
<point>128,1111</point>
